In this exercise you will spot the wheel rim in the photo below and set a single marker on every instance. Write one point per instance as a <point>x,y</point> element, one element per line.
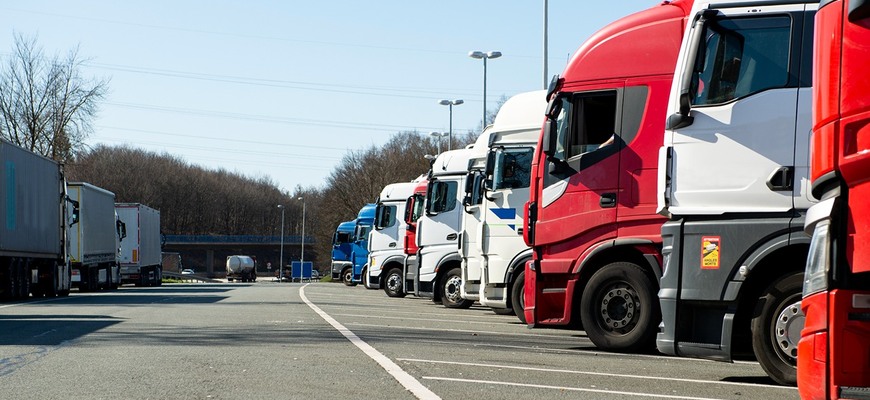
<point>451,289</point>
<point>393,283</point>
<point>348,277</point>
<point>787,331</point>
<point>620,308</point>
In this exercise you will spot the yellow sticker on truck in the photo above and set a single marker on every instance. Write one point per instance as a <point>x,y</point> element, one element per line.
<point>710,249</point>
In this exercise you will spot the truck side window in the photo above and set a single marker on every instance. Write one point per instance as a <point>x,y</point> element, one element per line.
<point>513,169</point>
<point>362,232</point>
<point>385,216</point>
<point>586,123</point>
<point>417,212</point>
<point>741,57</point>
<point>443,196</point>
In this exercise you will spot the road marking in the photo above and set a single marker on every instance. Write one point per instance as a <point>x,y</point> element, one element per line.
<point>453,321</point>
<point>568,371</point>
<point>404,378</point>
<point>523,334</point>
<point>576,389</point>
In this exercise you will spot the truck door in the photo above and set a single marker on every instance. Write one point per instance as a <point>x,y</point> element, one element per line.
<point>580,182</point>
<point>745,75</point>
<point>504,220</point>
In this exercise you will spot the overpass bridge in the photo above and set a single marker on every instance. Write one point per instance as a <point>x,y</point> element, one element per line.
<point>206,254</point>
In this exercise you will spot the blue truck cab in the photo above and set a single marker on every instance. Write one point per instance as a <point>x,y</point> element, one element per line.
<point>360,246</point>
<point>342,241</point>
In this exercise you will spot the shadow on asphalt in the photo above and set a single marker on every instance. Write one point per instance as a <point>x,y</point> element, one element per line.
<point>49,330</point>
<point>756,380</point>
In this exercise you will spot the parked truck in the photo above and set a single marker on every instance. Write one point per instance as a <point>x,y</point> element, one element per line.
<point>492,249</point>
<point>140,250</point>
<point>591,218</point>
<point>734,184</point>
<point>241,268</point>
<point>94,239</point>
<point>414,208</point>
<point>834,349</point>
<point>439,274</point>
<point>386,241</point>
<point>341,248</point>
<point>359,253</point>
<point>35,219</point>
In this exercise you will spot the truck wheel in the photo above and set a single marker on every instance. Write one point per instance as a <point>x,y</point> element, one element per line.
<point>619,308</point>
<point>777,328</point>
<point>158,273</point>
<point>450,290</point>
<point>365,279</point>
<point>518,299</point>
<point>393,283</point>
<point>347,277</point>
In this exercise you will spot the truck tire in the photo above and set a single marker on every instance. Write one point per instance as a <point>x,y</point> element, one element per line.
<point>347,277</point>
<point>451,285</point>
<point>365,279</point>
<point>518,299</point>
<point>158,275</point>
<point>619,308</point>
<point>776,328</point>
<point>393,283</point>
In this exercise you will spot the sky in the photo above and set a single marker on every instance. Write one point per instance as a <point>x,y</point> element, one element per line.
<point>284,89</point>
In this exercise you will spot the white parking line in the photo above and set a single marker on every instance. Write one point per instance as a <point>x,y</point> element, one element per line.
<point>568,371</point>
<point>404,378</point>
<point>523,334</point>
<point>576,389</point>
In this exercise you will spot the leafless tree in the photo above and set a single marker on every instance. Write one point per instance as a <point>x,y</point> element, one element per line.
<point>46,105</point>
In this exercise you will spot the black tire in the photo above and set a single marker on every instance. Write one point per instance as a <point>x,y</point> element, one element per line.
<point>502,311</point>
<point>776,327</point>
<point>619,308</point>
<point>518,299</point>
<point>394,283</point>
<point>365,279</point>
<point>347,277</point>
<point>451,285</point>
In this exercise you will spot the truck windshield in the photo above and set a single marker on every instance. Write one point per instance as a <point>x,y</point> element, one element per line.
<point>341,237</point>
<point>741,57</point>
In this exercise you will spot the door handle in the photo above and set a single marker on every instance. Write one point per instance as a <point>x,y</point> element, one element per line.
<point>608,200</point>
<point>782,179</point>
<point>451,236</point>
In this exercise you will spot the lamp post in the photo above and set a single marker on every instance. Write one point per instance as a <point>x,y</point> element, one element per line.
<point>484,56</point>
<point>439,135</point>
<point>450,104</point>
<point>281,253</point>
<point>302,252</point>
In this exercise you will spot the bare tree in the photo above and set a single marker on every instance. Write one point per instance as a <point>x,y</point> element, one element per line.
<point>46,105</point>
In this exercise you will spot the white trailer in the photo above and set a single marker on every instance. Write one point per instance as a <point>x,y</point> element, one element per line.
<point>34,217</point>
<point>141,257</point>
<point>94,239</point>
<point>493,251</point>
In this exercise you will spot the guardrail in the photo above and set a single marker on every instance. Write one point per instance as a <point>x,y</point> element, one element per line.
<point>190,277</point>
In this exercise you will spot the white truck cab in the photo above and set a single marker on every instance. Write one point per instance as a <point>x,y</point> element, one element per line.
<point>386,241</point>
<point>493,251</point>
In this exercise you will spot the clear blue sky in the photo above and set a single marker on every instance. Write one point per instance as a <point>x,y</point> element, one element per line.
<point>285,88</point>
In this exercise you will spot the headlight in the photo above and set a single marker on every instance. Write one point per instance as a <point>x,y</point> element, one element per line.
<point>818,259</point>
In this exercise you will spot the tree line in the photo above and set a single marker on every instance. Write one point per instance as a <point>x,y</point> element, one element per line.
<point>48,107</point>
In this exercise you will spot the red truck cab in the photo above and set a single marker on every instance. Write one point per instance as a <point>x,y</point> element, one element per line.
<point>834,350</point>
<point>414,208</point>
<point>591,218</point>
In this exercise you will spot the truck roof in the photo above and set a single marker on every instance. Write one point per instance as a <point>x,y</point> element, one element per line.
<point>397,191</point>
<point>367,212</point>
<point>519,119</point>
<point>346,226</point>
<point>92,187</point>
<point>641,44</point>
<point>456,161</point>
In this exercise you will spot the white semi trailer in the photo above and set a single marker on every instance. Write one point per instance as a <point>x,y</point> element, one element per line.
<point>140,249</point>
<point>94,239</point>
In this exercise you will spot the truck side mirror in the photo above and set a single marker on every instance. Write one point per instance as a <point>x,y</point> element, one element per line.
<point>547,145</point>
<point>74,218</point>
<point>122,229</point>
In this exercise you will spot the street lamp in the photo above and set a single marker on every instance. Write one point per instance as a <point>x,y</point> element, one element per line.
<point>281,254</point>
<point>450,104</point>
<point>302,252</point>
<point>484,56</point>
<point>439,135</point>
